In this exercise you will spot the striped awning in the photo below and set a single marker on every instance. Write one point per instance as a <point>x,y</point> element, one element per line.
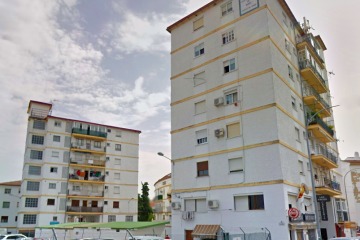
<point>205,231</point>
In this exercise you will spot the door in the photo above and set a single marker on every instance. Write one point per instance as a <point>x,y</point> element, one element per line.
<point>86,175</point>
<point>94,204</point>
<point>299,235</point>
<point>324,235</point>
<point>188,235</point>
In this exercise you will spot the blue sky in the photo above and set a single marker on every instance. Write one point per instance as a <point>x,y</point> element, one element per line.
<point>109,62</point>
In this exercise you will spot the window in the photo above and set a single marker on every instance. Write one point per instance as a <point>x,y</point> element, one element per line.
<point>36,155</point>
<point>117,147</point>
<point>233,130</point>
<point>57,123</point>
<point>226,8</point>
<point>118,134</point>
<point>76,188</point>
<point>199,23</point>
<point>202,168</point>
<point>108,144</point>
<point>34,170</point>
<point>35,139</point>
<point>297,134</point>
<point>199,78</point>
<point>32,186</point>
<point>115,204</point>
<point>231,97</point>
<point>52,185</point>
<point>199,50</point>
<point>7,191</point>
<point>293,103</point>
<point>55,154</point>
<point>109,130</point>
<point>117,161</point>
<point>294,51</point>
<point>291,74</point>
<point>249,202</point>
<point>301,167</point>
<point>297,77</point>
<point>341,210</point>
<point>51,202</point>
<point>236,165</point>
<point>80,142</point>
<point>97,144</point>
<point>4,219</point>
<point>287,45</point>
<point>116,175</point>
<point>6,205</point>
<point>56,138</point>
<point>117,190</point>
<point>200,107</point>
<point>39,124</point>
<point>229,65</point>
<point>129,218</point>
<point>29,219</point>
<point>195,205</point>
<point>308,166</point>
<point>112,218</point>
<point>53,169</point>
<point>31,202</point>
<point>285,19</point>
<point>228,37</point>
<point>55,218</point>
<point>201,136</point>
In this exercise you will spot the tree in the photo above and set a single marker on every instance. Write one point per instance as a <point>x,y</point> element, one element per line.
<point>145,212</point>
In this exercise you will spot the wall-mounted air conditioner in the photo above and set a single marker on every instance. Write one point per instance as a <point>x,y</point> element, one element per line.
<point>213,204</point>
<point>176,205</point>
<point>219,132</point>
<point>219,101</point>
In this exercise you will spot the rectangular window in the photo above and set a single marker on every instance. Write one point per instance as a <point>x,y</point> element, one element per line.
<point>228,37</point>
<point>34,170</point>
<point>56,138</point>
<point>129,218</point>
<point>4,219</point>
<point>291,74</point>
<point>250,202</point>
<point>53,169</point>
<point>118,134</point>
<point>6,205</point>
<point>116,175</point>
<point>35,139</point>
<point>297,134</point>
<point>285,19</point>
<point>116,190</point>
<point>112,218</point>
<point>199,78</point>
<point>117,147</point>
<point>38,124</point>
<point>116,204</point>
<point>36,155</point>
<point>51,202</point>
<point>55,218</point>
<point>117,161</point>
<point>231,97</point>
<point>31,202</point>
<point>55,154</point>
<point>7,191</point>
<point>57,123</point>
<point>201,136</point>
<point>29,219</point>
<point>199,23</point>
<point>229,65</point>
<point>226,8</point>
<point>52,185</point>
<point>97,144</point>
<point>199,50</point>
<point>200,107</point>
<point>293,103</point>
<point>202,168</point>
<point>236,165</point>
<point>32,186</point>
<point>233,130</point>
<point>196,205</point>
<point>301,167</point>
<point>287,45</point>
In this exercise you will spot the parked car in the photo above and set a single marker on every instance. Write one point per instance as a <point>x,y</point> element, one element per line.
<point>345,238</point>
<point>13,236</point>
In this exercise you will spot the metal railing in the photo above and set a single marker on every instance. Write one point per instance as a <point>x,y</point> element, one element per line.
<point>76,177</point>
<point>86,193</point>
<point>318,120</point>
<point>307,64</point>
<point>88,146</point>
<point>92,162</point>
<point>307,39</point>
<point>328,183</point>
<point>320,149</point>
<point>39,113</point>
<point>89,132</point>
<point>310,91</point>
<point>85,209</point>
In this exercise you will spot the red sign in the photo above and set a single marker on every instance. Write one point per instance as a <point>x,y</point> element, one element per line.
<point>294,213</point>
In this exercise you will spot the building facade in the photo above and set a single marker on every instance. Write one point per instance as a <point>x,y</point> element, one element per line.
<point>9,200</point>
<point>76,171</point>
<point>249,93</point>
<point>162,199</point>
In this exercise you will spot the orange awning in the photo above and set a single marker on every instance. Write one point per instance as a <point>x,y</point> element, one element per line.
<point>205,231</point>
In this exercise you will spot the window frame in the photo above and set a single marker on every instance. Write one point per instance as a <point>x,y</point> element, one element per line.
<point>56,138</point>
<point>31,202</point>
<point>37,139</point>
<point>117,147</point>
<point>198,23</point>
<point>29,219</point>
<point>199,139</point>
<point>229,65</point>
<point>228,37</point>
<point>5,204</point>
<point>202,169</point>
<point>234,134</point>
<point>199,50</point>
<point>116,204</point>
<point>225,10</point>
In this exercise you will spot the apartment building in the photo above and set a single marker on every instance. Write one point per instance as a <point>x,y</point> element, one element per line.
<point>249,92</point>
<point>162,199</point>
<point>9,200</point>
<point>76,171</point>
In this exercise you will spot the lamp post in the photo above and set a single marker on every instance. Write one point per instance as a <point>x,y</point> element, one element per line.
<point>308,120</point>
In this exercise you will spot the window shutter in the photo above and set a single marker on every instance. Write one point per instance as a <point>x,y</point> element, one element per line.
<point>233,130</point>
<point>198,23</point>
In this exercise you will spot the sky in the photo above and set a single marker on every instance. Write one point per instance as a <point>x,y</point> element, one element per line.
<point>109,62</point>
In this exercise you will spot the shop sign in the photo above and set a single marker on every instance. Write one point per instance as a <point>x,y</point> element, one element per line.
<point>308,217</point>
<point>323,198</point>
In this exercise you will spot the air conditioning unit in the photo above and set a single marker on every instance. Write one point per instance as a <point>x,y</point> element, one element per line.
<point>219,101</point>
<point>213,204</point>
<point>219,132</point>
<point>175,205</point>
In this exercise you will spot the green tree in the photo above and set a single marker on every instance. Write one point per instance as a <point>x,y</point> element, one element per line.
<point>145,212</point>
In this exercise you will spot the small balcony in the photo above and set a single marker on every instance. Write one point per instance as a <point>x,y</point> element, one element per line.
<point>87,163</point>
<point>326,186</point>
<point>85,209</point>
<point>87,179</point>
<point>315,102</point>
<point>89,134</point>
<point>312,76</point>
<point>87,148</point>
<point>308,42</point>
<point>39,113</point>
<point>85,194</point>
<point>324,157</point>
<point>321,130</point>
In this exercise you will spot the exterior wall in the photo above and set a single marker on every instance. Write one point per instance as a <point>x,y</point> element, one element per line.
<point>162,200</point>
<point>13,198</point>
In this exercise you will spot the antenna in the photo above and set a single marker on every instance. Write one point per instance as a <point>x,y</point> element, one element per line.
<point>306,26</point>
<point>332,73</point>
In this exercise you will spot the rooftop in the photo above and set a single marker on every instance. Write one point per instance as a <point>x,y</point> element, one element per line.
<point>13,183</point>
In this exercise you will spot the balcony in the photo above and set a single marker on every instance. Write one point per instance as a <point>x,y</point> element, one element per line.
<point>312,76</point>
<point>321,130</point>
<point>315,102</point>
<point>85,194</point>
<point>91,180</point>
<point>327,187</point>
<point>84,210</point>
<point>39,113</point>
<point>89,134</point>
<point>307,41</point>
<point>324,157</point>
<point>87,163</point>
<point>87,148</point>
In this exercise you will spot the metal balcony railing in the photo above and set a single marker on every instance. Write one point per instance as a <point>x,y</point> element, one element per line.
<point>307,38</point>
<point>328,183</point>
<point>318,120</point>
<point>307,64</point>
<point>76,177</point>
<point>39,113</point>
<point>320,149</point>
<point>88,146</point>
<point>310,91</point>
<point>89,132</point>
<point>86,193</point>
<point>85,209</point>
<point>84,161</point>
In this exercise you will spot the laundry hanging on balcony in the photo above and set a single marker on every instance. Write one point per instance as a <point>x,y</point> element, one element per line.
<point>80,173</point>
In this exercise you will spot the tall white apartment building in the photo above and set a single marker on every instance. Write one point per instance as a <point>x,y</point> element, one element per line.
<point>9,200</point>
<point>249,87</point>
<point>76,171</point>
<point>162,199</point>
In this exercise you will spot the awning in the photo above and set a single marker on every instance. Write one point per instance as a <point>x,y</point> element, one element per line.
<point>205,231</point>
<point>295,226</point>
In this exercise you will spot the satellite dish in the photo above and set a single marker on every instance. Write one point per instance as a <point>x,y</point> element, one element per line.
<point>305,187</point>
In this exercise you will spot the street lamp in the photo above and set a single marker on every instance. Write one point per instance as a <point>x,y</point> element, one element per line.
<point>308,120</point>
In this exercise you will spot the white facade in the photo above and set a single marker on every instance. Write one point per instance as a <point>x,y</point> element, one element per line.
<point>242,75</point>
<point>9,200</point>
<point>77,171</point>
<point>162,200</point>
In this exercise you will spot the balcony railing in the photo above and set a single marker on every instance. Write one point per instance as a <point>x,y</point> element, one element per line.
<point>328,183</point>
<point>320,149</point>
<point>39,113</point>
<point>318,120</point>
<point>85,209</point>
<point>100,178</point>
<point>86,193</point>
<point>307,39</point>
<point>310,91</point>
<point>92,162</point>
<point>89,132</point>
<point>307,64</point>
<point>88,146</point>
